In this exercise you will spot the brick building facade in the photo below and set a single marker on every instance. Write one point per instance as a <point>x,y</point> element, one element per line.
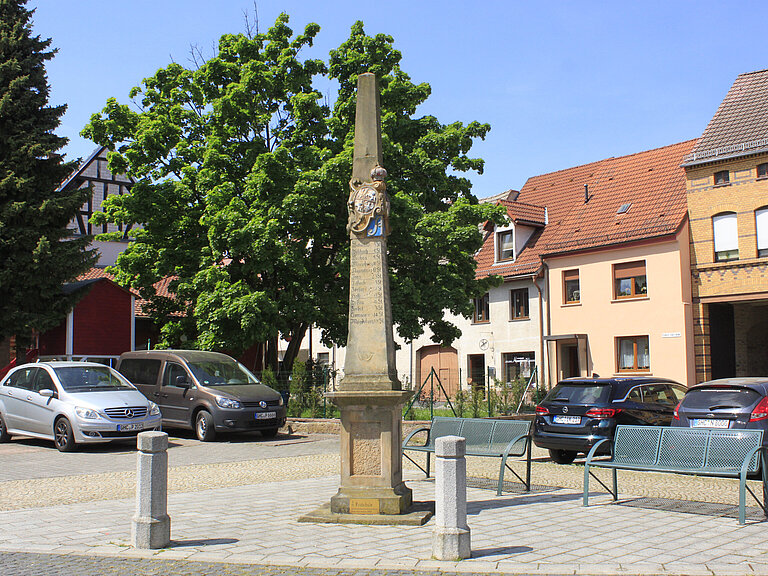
<point>727,190</point>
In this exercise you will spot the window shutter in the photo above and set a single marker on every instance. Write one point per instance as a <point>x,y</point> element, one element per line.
<point>570,275</point>
<point>629,269</point>
<point>725,232</point>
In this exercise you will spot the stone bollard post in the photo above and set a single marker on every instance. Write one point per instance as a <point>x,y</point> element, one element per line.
<point>151,525</point>
<point>451,538</point>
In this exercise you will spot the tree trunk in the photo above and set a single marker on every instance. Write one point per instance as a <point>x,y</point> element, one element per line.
<point>22,343</point>
<point>294,347</point>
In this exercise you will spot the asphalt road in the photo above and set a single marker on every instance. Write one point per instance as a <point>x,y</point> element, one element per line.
<point>28,458</point>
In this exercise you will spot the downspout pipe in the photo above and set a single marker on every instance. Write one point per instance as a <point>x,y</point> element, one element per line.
<point>542,274</point>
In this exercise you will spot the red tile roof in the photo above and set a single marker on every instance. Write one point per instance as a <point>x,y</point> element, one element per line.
<point>651,183</point>
<point>161,287</point>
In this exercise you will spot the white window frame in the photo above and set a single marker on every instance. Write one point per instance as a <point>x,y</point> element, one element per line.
<point>497,233</point>
<point>761,229</point>
<point>725,234</point>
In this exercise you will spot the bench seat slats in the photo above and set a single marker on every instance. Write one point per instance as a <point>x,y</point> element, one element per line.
<point>693,451</point>
<point>484,437</point>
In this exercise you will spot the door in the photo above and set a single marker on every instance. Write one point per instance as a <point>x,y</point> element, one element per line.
<point>40,409</point>
<point>445,363</point>
<point>14,392</point>
<point>176,401</point>
<point>477,370</point>
<point>570,359</point>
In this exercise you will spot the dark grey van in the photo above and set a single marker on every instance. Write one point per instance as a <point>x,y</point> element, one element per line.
<point>204,391</point>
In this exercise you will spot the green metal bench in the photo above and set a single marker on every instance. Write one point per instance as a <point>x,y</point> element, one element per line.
<point>694,451</point>
<point>484,437</point>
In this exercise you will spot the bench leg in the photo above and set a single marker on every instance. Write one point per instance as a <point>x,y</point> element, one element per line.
<point>586,485</point>
<point>528,467</point>
<point>501,475</point>
<point>742,497</point>
<point>615,485</point>
<point>428,464</point>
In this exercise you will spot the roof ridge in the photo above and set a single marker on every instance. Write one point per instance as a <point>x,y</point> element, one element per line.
<point>754,72</point>
<point>613,158</point>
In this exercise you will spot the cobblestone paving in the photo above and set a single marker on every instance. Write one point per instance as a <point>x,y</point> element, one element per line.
<point>234,508</point>
<point>23,564</point>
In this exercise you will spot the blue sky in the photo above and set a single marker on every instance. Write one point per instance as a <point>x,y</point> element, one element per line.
<point>561,83</point>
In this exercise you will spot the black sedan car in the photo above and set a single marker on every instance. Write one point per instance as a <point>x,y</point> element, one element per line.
<point>579,412</point>
<point>728,403</point>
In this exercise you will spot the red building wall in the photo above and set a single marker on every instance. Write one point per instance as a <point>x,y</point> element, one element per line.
<point>102,321</point>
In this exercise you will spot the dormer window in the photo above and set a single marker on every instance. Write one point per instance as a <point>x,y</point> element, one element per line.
<point>505,245</point>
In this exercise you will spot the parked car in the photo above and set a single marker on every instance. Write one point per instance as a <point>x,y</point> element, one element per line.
<point>73,403</point>
<point>206,392</point>
<point>579,412</point>
<point>728,403</point>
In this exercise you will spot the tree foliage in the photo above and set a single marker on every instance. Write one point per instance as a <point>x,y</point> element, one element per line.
<point>37,253</point>
<point>242,180</point>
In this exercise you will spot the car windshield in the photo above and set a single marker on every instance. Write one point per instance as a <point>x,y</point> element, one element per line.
<point>90,379</point>
<point>572,393</point>
<point>720,398</point>
<point>221,373</point>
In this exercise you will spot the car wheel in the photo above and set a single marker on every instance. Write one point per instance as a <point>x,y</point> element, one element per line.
<point>562,456</point>
<point>4,436</point>
<point>204,426</point>
<point>63,435</point>
<point>269,432</point>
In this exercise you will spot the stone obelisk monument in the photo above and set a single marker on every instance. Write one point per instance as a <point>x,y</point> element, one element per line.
<point>369,396</point>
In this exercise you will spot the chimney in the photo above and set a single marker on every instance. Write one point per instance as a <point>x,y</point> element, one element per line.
<point>586,193</point>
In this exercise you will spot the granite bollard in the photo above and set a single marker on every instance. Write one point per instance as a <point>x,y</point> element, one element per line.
<point>151,525</point>
<point>451,536</point>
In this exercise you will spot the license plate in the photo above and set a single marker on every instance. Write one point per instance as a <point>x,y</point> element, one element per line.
<point>567,419</point>
<point>129,427</point>
<point>266,415</point>
<point>709,423</point>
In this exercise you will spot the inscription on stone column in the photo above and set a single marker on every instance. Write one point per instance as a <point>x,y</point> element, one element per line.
<point>367,284</point>
<point>366,449</point>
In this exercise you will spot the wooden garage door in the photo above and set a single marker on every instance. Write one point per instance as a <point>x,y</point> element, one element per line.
<point>445,362</point>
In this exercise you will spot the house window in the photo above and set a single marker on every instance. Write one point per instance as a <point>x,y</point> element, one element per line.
<point>482,309</point>
<point>571,291</point>
<point>761,225</point>
<point>323,358</point>
<point>762,170</point>
<point>518,300</point>
<point>517,365</point>
<point>726,237</point>
<point>633,354</point>
<point>629,280</point>
<point>722,178</point>
<point>505,242</point>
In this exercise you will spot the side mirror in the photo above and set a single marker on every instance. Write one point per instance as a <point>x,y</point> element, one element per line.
<point>47,393</point>
<point>182,382</point>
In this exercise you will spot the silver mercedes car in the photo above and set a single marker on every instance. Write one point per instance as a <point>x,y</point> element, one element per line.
<point>73,403</point>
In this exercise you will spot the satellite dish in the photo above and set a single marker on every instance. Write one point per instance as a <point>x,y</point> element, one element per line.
<point>484,344</point>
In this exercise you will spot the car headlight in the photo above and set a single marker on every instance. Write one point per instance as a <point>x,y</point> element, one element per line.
<point>154,409</point>
<point>280,401</point>
<point>227,402</point>
<point>86,413</point>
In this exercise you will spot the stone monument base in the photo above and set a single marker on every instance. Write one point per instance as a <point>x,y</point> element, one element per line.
<point>417,515</point>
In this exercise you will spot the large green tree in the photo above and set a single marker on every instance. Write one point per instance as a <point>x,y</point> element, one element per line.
<point>242,180</point>
<point>37,252</point>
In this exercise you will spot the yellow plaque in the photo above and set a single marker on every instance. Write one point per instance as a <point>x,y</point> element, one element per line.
<point>363,506</point>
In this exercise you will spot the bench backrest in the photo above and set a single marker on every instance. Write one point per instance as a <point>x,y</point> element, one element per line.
<point>482,434</point>
<point>686,448</point>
